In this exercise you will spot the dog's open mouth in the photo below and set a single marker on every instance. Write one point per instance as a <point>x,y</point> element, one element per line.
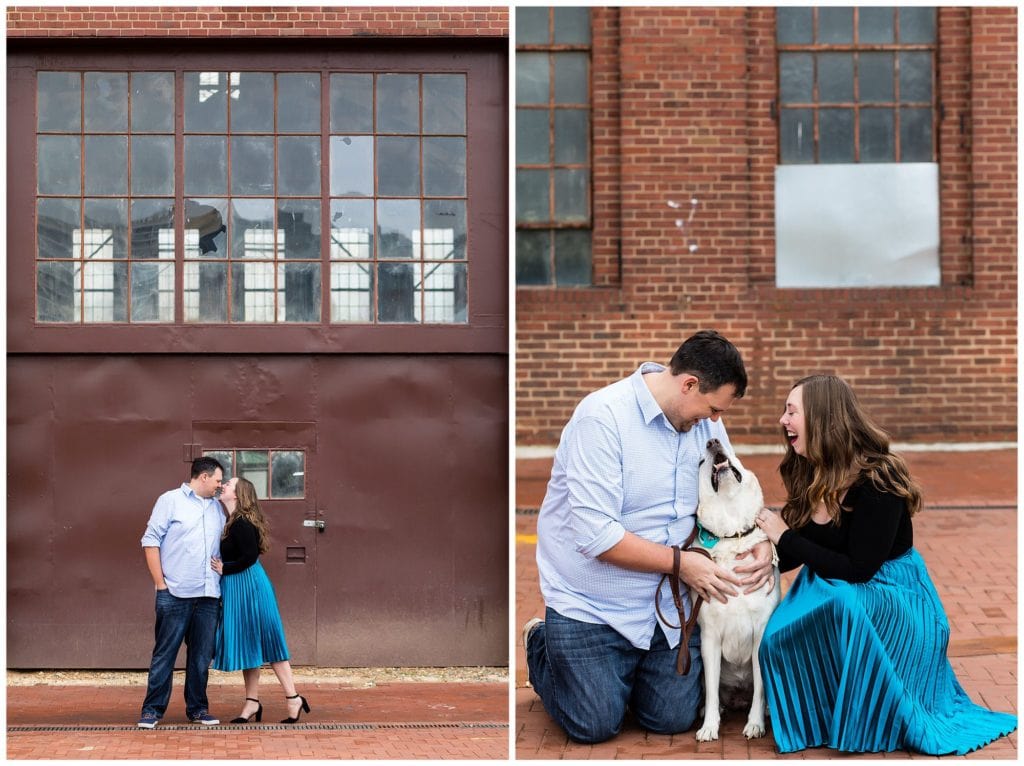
<point>720,464</point>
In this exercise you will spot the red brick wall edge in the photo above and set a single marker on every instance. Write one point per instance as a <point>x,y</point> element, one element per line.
<point>256,21</point>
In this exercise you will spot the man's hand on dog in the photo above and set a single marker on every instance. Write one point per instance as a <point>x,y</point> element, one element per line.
<point>707,578</point>
<point>760,570</point>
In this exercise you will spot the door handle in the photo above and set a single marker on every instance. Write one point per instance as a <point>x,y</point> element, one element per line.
<point>320,524</point>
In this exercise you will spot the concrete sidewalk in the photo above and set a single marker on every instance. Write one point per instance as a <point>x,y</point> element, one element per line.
<point>967,534</point>
<point>399,720</point>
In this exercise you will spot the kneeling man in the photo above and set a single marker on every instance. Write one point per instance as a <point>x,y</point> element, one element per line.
<point>623,489</point>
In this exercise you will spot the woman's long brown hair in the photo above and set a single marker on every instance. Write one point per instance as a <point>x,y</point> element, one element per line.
<point>839,436</point>
<point>247,506</point>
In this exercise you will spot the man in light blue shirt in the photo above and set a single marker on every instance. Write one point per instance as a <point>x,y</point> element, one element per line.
<point>623,490</point>
<point>181,538</point>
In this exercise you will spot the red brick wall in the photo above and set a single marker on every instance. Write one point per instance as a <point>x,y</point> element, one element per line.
<point>682,107</point>
<point>256,21</point>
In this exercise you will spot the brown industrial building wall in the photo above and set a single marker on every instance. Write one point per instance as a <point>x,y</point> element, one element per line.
<point>405,428</point>
<point>682,106</point>
<point>406,465</point>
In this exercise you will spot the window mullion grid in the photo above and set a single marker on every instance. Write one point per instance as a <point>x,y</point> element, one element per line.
<point>816,108</point>
<point>229,299</point>
<point>551,150</point>
<point>128,203</point>
<point>276,264</point>
<point>896,86</point>
<point>421,264</point>
<point>933,111</point>
<point>856,48</point>
<point>552,267</point>
<point>80,255</point>
<point>375,263</point>
<point>856,91</point>
<point>179,196</point>
<point>896,102</point>
<point>325,197</point>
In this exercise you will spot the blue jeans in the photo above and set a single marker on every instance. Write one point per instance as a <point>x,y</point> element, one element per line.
<point>194,621</point>
<point>586,675</point>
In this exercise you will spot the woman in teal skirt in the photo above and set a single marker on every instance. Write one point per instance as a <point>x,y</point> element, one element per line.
<point>250,632</point>
<point>854,658</point>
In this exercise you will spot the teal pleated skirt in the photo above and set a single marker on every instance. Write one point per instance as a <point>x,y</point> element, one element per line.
<point>250,631</point>
<point>862,667</point>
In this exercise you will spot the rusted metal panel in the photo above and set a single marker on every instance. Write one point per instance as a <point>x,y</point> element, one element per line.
<point>434,438</point>
<point>409,472</point>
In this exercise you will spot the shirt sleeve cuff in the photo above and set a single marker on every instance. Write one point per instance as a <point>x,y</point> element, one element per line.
<point>607,538</point>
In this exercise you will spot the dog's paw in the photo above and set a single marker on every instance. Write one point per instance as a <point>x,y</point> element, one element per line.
<point>707,733</point>
<point>753,729</point>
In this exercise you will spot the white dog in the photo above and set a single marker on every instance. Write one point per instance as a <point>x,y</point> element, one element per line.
<point>730,633</point>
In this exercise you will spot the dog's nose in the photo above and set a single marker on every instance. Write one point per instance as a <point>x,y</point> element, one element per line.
<point>713,443</point>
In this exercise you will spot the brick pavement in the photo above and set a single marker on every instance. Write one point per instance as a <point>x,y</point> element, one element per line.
<point>969,518</point>
<point>436,721</point>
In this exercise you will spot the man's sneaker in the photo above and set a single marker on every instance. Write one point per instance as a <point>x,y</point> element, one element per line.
<point>528,629</point>
<point>205,719</point>
<point>148,721</point>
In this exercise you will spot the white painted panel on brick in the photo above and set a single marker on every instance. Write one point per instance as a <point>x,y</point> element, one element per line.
<point>868,225</point>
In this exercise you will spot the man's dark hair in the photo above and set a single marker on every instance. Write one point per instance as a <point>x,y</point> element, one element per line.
<point>203,465</point>
<point>713,359</point>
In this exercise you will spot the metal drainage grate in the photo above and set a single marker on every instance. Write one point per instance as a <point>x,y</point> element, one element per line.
<point>266,727</point>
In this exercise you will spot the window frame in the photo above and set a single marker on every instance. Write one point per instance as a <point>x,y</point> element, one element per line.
<point>249,258</point>
<point>230,472</point>
<point>855,48</point>
<point>553,226</point>
<point>486,189</point>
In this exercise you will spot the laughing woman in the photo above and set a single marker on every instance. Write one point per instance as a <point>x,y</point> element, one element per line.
<point>854,658</point>
<point>250,632</point>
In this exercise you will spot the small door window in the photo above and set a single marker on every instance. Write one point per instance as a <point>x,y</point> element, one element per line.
<point>277,474</point>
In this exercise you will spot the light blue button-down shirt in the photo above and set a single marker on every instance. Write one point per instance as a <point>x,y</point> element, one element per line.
<point>187,529</point>
<point>620,466</point>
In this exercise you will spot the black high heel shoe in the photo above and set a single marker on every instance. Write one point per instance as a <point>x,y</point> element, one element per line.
<point>303,707</point>
<point>258,715</point>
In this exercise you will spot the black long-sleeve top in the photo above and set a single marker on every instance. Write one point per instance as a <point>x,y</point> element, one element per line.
<point>240,549</point>
<point>875,529</point>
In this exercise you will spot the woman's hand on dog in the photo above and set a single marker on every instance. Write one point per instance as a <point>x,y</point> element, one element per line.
<point>771,523</point>
<point>760,570</point>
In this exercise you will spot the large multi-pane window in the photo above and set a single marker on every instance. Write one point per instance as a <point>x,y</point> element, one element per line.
<point>245,223</point>
<point>553,185</point>
<point>857,184</point>
<point>105,236</point>
<point>398,168</point>
<point>252,197</point>
<point>856,84</point>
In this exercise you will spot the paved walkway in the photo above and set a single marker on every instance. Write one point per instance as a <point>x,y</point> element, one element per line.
<point>436,721</point>
<point>967,535</point>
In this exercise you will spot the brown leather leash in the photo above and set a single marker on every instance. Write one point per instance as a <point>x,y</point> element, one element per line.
<point>686,626</point>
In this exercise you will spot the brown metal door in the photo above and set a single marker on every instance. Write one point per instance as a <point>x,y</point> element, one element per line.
<point>294,529</point>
